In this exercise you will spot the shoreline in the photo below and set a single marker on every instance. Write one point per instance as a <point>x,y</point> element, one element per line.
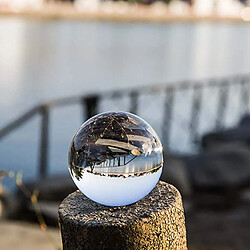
<point>136,16</point>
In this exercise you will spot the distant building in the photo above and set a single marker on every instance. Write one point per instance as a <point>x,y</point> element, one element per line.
<point>204,7</point>
<point>218,7</point>
<point>17,5</point>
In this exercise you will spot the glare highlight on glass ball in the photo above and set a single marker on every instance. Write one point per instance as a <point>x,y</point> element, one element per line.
<point>115,158</point>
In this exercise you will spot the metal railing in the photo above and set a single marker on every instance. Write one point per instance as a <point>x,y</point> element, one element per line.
<point>91,106</point>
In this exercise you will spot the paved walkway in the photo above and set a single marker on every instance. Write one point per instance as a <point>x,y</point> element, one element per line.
<point>22,235</point>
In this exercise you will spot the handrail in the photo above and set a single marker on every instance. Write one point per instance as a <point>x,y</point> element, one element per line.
<point>182,85</point>
<point>19,121</point>
<point>90,107</point>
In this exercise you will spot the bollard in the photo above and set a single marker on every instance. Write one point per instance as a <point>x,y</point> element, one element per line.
<point>155,222</point>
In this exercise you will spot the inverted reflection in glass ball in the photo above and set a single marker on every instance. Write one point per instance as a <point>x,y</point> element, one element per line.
<point>115,158</point>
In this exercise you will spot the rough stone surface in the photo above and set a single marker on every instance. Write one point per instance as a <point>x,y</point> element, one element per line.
<point>155,222</point>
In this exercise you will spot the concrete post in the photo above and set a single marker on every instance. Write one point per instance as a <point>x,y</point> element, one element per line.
<point>155,222</point>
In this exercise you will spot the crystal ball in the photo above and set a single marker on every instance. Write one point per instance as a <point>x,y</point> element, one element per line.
<point>115,158</point>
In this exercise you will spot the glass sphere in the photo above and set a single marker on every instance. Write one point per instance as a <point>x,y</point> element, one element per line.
<point>115,158</point>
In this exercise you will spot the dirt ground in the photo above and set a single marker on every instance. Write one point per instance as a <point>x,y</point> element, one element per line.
<point>16,235</point>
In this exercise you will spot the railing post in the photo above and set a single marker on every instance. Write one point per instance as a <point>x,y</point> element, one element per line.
<point>195,112</point>
<point>134,102</point>
<point>90,106</point>
<point>244,95</point>
<point>44,142</point>
<point>222,104</point>
<point>167,117</point>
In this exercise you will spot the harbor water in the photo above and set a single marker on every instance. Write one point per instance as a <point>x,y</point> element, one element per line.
<point>42,60</point>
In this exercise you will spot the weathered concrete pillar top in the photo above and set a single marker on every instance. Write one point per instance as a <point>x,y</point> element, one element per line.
<point>155,222</point>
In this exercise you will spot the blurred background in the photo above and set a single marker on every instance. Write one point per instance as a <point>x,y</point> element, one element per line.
<point>183,66</point>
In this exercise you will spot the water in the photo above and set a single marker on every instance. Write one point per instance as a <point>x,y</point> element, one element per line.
<point>41,60</point>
